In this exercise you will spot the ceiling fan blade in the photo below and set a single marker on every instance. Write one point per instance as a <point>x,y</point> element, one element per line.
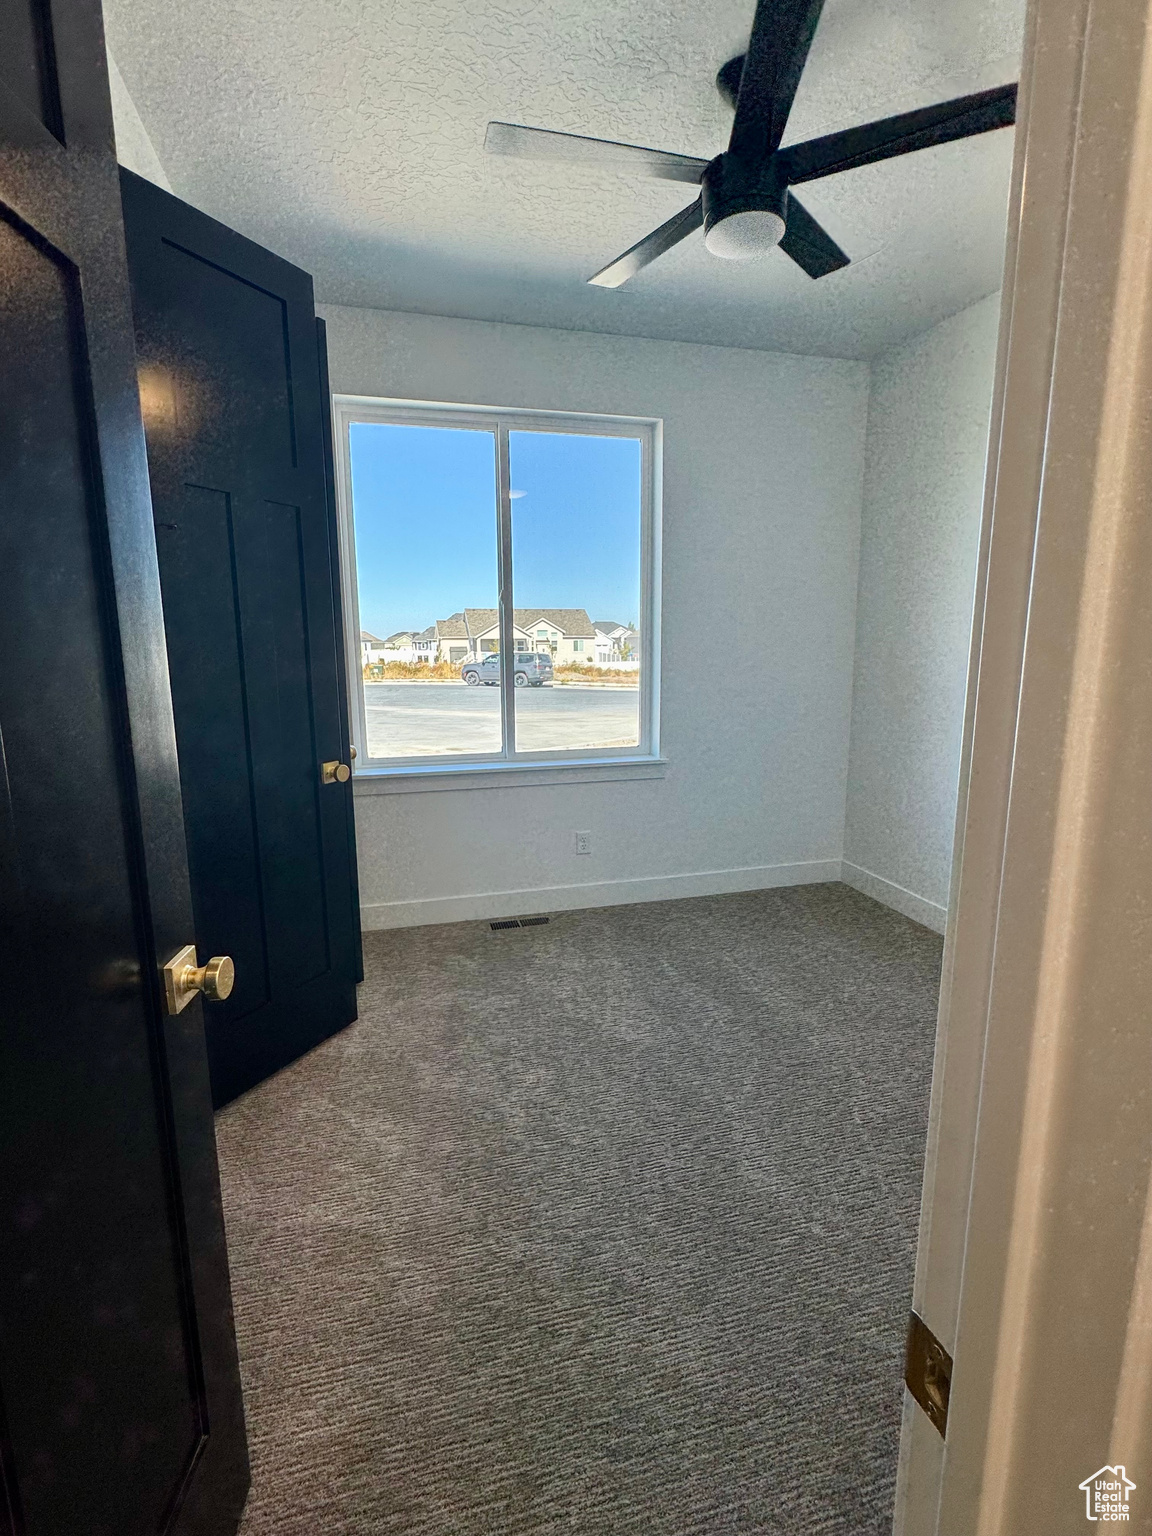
<point>949,120</point>
<point>653,245</point>
<point>782,34</point>
<point>543,144</point>
<point>809,244</point>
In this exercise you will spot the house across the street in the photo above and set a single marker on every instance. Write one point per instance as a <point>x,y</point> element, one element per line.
<point>616,642</point>
<point>425,645</point>
<point>398,647</point>
<point>565,634</point>
<point>371,648</point>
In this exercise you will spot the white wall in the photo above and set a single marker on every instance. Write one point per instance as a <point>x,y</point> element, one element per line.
<point>926,445</point>
<point>134,147</point>
<point>763,467</point>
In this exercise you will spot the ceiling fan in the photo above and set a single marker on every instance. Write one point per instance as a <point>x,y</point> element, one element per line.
<point>746,205</point>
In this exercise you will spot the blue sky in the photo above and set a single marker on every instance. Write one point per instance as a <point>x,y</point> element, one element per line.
<point>424,500</point>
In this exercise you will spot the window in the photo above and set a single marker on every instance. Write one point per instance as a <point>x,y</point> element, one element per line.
<point>494,535</point>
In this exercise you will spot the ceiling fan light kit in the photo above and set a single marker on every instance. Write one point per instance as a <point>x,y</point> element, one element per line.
<point>744,234</point>
<point>746,207</point>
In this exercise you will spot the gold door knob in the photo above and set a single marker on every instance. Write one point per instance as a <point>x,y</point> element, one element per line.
<point>183,978</point>
<point>215,980</point>
<point>335,773</point>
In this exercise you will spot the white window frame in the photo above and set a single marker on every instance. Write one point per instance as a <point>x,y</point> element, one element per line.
<point>479,770</point>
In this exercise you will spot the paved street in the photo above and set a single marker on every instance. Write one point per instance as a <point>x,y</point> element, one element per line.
<point>418,719</point>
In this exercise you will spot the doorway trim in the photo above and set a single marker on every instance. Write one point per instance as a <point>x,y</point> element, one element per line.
<point>1034,1266</point>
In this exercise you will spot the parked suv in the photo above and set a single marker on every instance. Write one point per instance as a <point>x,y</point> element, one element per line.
<point>530,669</point>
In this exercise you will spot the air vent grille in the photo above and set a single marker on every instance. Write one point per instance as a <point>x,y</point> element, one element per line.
<point>518,922</point>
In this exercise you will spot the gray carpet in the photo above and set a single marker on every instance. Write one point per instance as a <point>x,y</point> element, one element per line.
<point>604,1227</point>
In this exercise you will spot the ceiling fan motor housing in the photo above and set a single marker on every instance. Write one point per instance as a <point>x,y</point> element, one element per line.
<point>745,207</point>
<point>728,80</point>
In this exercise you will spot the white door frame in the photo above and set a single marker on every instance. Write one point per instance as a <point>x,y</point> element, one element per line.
<point>1034,1266</point>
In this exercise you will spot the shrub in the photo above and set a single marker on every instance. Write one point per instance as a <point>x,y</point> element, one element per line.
<point>447,671</point>
<point>588,672</point>
<point>416,671</point>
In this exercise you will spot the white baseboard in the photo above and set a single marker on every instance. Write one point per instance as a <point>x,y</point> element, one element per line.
<point>603,893</point>
<point>918,908</point>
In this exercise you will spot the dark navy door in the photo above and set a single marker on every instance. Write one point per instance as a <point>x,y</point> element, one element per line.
<point>230,388</point>
<point>120,1410</point>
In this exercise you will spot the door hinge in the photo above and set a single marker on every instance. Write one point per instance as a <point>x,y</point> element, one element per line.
<point>928,1371</point>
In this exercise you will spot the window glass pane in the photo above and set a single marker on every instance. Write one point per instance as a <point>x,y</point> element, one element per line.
<point>576,582</point>
<point>424,505</point>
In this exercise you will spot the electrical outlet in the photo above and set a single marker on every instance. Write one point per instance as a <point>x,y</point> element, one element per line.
<point>583,842</point>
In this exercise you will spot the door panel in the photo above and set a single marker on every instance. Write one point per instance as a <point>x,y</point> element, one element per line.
<point>270,556</point>
<point>234,386</point>
<point>72,904</point>
<point>28,60</point>
<point>230,386</point>
<point>120,1411</point>
<point>197,558</point>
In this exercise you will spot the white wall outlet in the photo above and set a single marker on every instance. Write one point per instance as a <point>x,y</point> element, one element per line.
<point>583,842</point>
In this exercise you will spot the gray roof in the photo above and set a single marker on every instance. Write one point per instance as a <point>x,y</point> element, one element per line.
<point>371,639</point>
<point>478,621</point>
<point>569,621</point>
<point>401,634</point>
<point>453,628</point>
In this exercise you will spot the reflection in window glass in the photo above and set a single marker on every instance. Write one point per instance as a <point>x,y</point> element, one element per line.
<point>424,507</point>
<point>576,521</point>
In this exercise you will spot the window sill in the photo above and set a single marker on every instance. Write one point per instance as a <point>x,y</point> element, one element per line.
<point>409,780</point>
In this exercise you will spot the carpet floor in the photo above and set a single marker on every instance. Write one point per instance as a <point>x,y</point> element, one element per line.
<point>604,1227</point>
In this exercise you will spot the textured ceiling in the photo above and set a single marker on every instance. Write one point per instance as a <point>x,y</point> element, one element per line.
<point>348,134</point>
